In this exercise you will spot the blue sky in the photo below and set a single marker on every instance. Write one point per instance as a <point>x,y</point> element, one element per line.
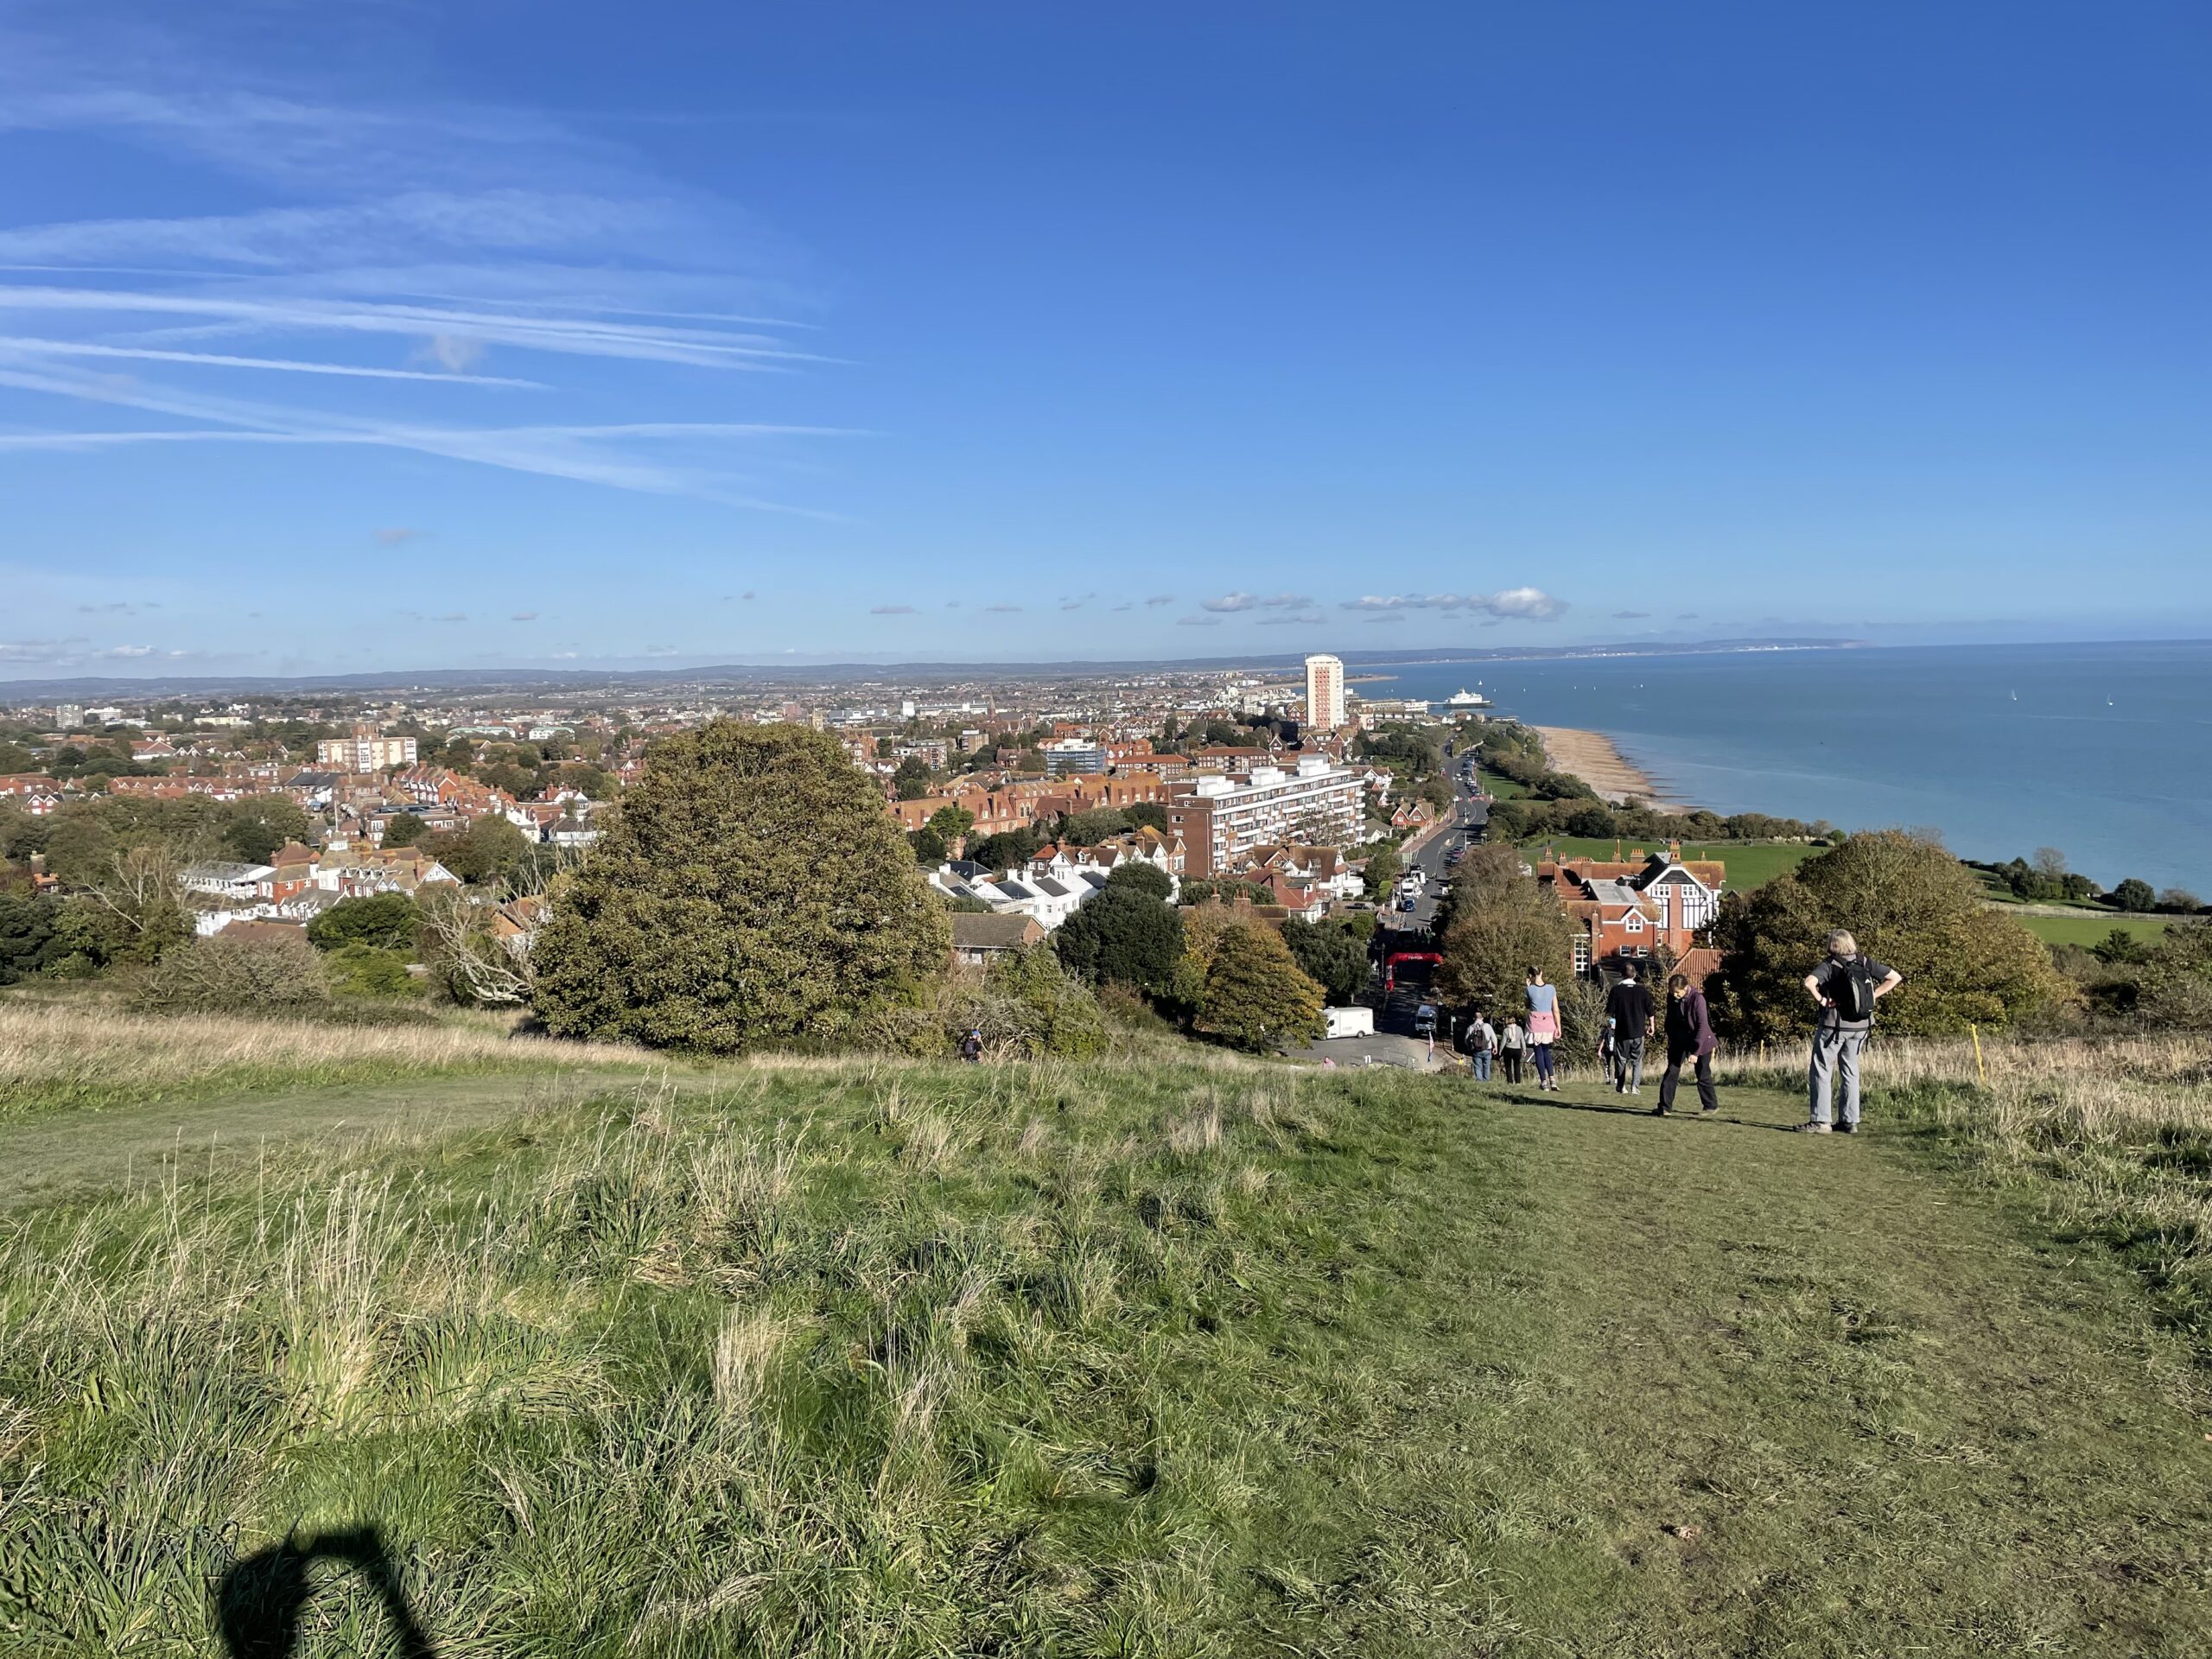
<point>409,335</point>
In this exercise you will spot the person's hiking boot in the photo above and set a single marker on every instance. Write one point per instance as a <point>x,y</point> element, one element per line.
<point>1662,1111</point>
<point>1816,1127</point>
<point>1708,1112</point>
<point>1846,1128</point>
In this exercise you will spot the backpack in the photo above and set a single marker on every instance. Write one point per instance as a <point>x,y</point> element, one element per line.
<point>1852,990</point>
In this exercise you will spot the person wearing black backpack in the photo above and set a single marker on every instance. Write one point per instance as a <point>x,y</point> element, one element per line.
<point>1847,987</point>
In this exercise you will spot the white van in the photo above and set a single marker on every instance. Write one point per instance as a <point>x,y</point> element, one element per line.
<point>1350,1022</point>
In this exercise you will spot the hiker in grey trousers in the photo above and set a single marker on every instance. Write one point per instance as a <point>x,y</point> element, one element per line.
<point>1846,986</point>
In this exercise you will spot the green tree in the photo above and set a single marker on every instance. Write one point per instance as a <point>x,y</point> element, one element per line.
<point>1128,934</point>
<point>1908,904</point>
<point>1501,924</point>
<point>1042,1010</point>
<point>1088,828</point>
<point>753,892</point>
<point>930,849</point>
<point>1331,955</point>
<point>381,921</point>
<point>1145,878</point>
<point>1006,849</point>
<point>2177,981</point>
<point>489,851</point>
<point>404,830</point>
<point>1147,815</point>
<point>14,758</point>
<point>29,937</point>
<point>1257,997</point>
<point>255,827</point>
<point>1385,866</point>
<point>951,823</point>
<point>2134,895</point>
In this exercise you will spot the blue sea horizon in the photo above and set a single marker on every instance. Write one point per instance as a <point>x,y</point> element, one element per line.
<point>2103,751</point>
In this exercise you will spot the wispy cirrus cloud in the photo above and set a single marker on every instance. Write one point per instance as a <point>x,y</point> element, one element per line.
<point>1161,599</point>
<point>1239,601</point>
<point>1197,622</point>
<point>419,246</point>
<point>891,610</point>
<point>1532,603</point>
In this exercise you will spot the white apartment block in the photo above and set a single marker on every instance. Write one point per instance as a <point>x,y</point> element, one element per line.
<point>364,752</point>
<point>1221,820</point>
<point>1324,692</point>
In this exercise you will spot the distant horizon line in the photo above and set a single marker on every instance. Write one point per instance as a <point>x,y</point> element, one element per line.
<point>785,669</point>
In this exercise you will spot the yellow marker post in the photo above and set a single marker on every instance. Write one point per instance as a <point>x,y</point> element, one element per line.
<point>1978,1067</point>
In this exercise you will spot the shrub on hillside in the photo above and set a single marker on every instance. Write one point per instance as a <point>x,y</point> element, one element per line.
<point>380,921</point>
<point>1128,934</point>
<point>222,974</point>
<point>1910,904</point>
<point>1257,997</point>
<point>753,892</point>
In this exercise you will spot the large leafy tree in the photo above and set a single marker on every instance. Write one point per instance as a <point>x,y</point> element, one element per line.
<point>1908,904</point>
<point>381,921</point>
<point>1257,997</point>
<point>1502,922</point>
<point>1129,935</point>
<point>30,940</point>
<point>1331,954</point>
<point>753,892</point>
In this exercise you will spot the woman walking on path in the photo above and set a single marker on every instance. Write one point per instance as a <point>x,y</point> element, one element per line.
<point>1543,1027</point>
<point>1510,1044</point>
<point>1689,1034</point>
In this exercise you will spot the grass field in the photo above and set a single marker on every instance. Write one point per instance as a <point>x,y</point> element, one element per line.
<point>1751,864</point>
<point>2094,927</point>
<point>1199,1356</point>
<point>1500,787</point>
<point>81,1052</point>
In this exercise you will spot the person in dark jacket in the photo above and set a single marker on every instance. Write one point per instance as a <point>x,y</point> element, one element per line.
<point>971,1047</point>
<point>1689,1036</point>
<point>1628,1005</point>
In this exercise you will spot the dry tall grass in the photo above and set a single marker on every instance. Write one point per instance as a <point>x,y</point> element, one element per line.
<point>61,1052</point>
<point>2112,1138</point>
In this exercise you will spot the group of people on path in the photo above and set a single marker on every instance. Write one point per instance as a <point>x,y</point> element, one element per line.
<point>1845,988</point>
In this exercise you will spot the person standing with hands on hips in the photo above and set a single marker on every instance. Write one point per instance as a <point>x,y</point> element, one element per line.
<point>1844,988</point>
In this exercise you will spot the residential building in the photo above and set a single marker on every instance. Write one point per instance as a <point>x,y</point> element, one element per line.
<point>365,752</point>
<point>1221,821</point>
<point>1624,909</point>
<point>1073,756</point>
<point>1324,691</point>
<point>978,941</point>
<point>69,715</point>
<point>218,878</point>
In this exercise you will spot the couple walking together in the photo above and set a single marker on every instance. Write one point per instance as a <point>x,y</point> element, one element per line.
<point>1631,1021</point>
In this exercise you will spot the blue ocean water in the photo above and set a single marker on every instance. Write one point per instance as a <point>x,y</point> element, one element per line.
<point>2103,751</point>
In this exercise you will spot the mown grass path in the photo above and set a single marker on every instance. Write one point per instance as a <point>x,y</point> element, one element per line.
<point>1681,1387</point>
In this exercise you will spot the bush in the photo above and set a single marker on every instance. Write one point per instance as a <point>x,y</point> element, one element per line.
<point>364,970</point>
<point>753,892</point>
<point>1910,904</point>
<point>383,921</point>
<point>222,973</point>
<point>1128,934</point>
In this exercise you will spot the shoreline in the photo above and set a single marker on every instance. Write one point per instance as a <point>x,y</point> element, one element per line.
<point>1597,760</point>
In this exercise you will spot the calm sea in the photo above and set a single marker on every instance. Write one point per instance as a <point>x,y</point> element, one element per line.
<point>2102,751</point>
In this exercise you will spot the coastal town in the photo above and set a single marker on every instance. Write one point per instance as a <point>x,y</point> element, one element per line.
<point>1289,799</point>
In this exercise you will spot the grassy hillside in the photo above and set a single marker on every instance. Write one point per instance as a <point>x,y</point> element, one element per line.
<point>1183,1356</point>
<point>79,1049</point>
<point>2093,928</point>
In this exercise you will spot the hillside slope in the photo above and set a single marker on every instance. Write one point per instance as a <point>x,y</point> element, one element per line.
<point>1220,1358</point>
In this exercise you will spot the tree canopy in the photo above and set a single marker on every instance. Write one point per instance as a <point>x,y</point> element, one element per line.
<point>1908,903</point>
<point>381,921</point>
<point>1256,996</point>
<point>753,892</point>
<point>1332,954</point>
<point>1128,934</point>
<point>1502,922</point>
